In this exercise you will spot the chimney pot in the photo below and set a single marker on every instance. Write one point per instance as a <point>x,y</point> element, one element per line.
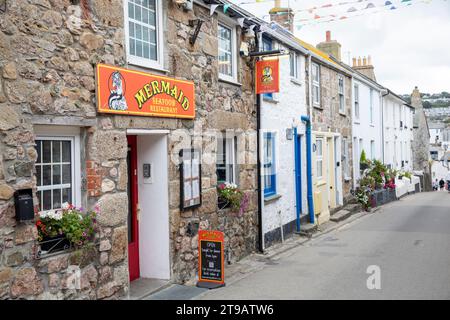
<point>328,36</point>
<point>364,61</point>
<point>369,62</point>
<point>354,62</point>
<point>359,61</point>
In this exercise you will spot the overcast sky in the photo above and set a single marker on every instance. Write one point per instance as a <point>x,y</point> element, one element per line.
<point>409,46</point>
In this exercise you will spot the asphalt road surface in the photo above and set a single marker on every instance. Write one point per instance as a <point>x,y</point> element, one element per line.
<point>407,241</point>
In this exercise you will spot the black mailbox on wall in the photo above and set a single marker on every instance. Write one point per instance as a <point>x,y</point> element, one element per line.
<point>23,200</point>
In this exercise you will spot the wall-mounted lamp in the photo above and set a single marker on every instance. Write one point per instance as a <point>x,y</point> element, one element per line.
<point>289,133</point>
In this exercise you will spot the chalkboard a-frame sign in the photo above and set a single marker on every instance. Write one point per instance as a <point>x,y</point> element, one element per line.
<point>210,259</point>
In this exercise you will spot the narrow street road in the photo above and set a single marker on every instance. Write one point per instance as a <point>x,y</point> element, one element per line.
<point>408,239</point>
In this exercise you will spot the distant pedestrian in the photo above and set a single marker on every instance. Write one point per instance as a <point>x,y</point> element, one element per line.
<point>435,185</point>
<point>441,184</point>
<point>448,180</point>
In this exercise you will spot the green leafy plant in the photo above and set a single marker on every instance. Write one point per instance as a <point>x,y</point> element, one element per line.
<point>363,158</point>
<point>232,195</point>
<point>362,195</point>
<point>77,226</point>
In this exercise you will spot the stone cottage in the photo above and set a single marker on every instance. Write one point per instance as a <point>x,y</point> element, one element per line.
<point>330,108</point>
<point>56,141</point>
<point>420,143</point>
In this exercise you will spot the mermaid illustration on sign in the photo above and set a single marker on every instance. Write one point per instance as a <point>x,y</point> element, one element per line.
<point>267,75</point>
<point>116,99</point>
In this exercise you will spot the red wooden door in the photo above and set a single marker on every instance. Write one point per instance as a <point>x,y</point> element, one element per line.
<point>133,210</point>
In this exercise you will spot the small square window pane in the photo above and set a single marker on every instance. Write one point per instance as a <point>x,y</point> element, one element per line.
<point>145,32</point>
<point>56,150</point>
<point>46,151</point>
<point>66,152</point>
<point>145,3</point>
<point>146,50</point>
<point>67,195</point>
<point>131,29</point>
<point>137,13</point>
<point>130,10</point>
<point>47,175</point>
<point>132,47</point>
<point>66,174</point>
<point>138,32</point>
<point>57,174</point>
<point>47,200</point>
<point>153,36</point>
<point>56,198</point>
<point>138,48</point>
<point>38,175</point>
<point>152,18</point>
<point>153,52</point>
<point>151,4</point>
<point>39,151</point>
<point>145,13</point>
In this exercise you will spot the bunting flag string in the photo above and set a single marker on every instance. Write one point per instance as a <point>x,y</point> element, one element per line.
<point>387,6</point>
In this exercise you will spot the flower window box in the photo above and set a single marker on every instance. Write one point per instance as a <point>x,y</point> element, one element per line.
<point>65,229</point>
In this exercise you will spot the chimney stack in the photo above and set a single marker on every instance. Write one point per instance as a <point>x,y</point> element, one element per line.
<point>282,16</point>
<point>331,47</point>
<point>366,67</point>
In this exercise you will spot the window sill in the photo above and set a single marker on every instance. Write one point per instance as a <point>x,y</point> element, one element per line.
<point>272,198</point>
<point>342,113</point>
<point>317,106</point>
<point>230,81</point>
<point>148,67</point>
<point>270,100</point>
<point>347,179</point>
<point>372,125</point>
<point>356,122</point>
<point>296,81</point>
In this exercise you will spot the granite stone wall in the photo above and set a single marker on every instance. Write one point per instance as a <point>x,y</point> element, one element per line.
<point>48,53</point>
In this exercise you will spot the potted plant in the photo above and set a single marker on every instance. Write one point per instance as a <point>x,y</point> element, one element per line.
<point>363,162</point>
<point>230,196</point>
<point>363,197</point>
<point>65,228</point>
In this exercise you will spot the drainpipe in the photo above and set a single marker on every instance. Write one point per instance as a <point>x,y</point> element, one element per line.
<point>309,167</point>
<point>258,39</point>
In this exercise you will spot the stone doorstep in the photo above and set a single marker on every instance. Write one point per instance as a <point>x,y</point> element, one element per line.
<point>340,215</point>
<point>142,288</point>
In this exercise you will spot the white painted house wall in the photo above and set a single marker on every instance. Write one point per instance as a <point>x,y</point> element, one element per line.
<point>397,141</point>
<point>363,129</point>
<point>277,116</point>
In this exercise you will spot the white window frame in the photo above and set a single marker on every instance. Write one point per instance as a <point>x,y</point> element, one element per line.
<point>296,58</point>
<point>224,22</point>
<point>319,158</point>
<point>230,158</point>
<point>371,107</point>
<point>356,101</point>
<point>315,83</point>
<point>144,62</point>
<point>341,94</point>
<point>67,134</point>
